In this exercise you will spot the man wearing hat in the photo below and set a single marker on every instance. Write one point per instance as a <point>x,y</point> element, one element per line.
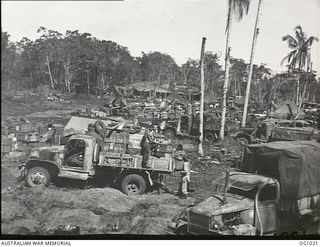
<point>148,143</point>
<point>182,164</point>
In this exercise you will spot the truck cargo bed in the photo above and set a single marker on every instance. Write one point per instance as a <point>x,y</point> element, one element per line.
<point>127,161</point>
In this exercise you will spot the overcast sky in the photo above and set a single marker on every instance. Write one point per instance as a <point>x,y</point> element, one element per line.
<point>174,27</point>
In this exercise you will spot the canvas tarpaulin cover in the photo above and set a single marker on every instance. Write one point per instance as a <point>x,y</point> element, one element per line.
<point>296,165</point>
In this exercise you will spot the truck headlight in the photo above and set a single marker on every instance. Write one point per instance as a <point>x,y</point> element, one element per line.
<point>214,224</point>
<point>34,154</point>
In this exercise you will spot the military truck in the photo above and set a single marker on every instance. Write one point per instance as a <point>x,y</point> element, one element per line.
<point>275,130</point>
<point>276,192</point>
<point>85,157</point>
<point>189,125</point>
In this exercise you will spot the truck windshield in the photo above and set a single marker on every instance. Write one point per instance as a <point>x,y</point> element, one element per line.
<point>245,186</point>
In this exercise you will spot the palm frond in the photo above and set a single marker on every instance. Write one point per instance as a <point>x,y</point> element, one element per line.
<point>292,42</point>
<point>289,57</point>
<point>309,41</point>
<point>240,8</point>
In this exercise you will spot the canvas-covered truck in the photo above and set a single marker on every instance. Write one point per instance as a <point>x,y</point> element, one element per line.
<point>84,157</point>
<point>277,192</point>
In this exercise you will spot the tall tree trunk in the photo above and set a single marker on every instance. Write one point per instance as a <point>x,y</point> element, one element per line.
<point>298,90</point>
<point>68,76</point>
<point>88,82</point>
<point>304,90</point>
<point>202,94</point>
<point>254,39</point>
<point>49,72</point>
<point>226,79</point>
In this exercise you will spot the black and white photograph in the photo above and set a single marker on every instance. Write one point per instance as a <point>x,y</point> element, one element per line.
<point>160,119</point>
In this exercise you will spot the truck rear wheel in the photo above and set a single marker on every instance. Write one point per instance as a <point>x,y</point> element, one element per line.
<point>242,141</point>
<point>169,133</point>
<point>37,176</point>
<point>209,137</point>
<point>133,184</point>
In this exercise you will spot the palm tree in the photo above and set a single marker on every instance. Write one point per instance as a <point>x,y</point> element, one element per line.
<point>300,57</point>
<point>236,8</point>
<point>255,35</point>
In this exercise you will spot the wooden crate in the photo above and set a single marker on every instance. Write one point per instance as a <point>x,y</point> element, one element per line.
<point>21,137</point>
<point>25,127</point>
<point>4,130</point>
<point>5,149</point>
<point>5,140</point>
<point>38,127</point>
<point>32,137</point>
<point>164,163</point>
<point>114,159</point>
<point>59,131</point>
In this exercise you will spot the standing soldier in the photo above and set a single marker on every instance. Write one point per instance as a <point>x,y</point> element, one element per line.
<point>148,143</point>
<point>182,165</point>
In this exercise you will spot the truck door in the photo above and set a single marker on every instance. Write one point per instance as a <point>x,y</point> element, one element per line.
<point>268,202</point>
<point>74,165</point>
<point>74,154</point>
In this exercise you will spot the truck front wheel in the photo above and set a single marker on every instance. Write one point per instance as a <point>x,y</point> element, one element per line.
<point>37,176</point>
<point>133,184</point>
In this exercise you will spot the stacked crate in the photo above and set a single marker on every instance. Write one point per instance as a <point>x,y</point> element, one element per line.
<point>58,135</point>
<point>135,143</point>
<point>6,145</point>
<point>117,142</point>
<point>22,131</point>
<point>163,163</point>
<point>38,127</point>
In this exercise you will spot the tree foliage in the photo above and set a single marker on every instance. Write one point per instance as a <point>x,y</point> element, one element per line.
<point>78,62</point>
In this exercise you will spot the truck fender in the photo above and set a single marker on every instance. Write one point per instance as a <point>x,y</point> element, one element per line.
<point>52,167</point>
<point>149,177</point>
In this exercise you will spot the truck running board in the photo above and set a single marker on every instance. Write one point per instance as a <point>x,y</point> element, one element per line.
<point>73,174</point>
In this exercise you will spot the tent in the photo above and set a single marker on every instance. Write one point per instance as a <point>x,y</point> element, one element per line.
<point>283,111</point>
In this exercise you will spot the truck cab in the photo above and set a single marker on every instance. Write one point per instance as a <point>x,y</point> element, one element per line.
<point>275,192</point>
<point>249,206</point>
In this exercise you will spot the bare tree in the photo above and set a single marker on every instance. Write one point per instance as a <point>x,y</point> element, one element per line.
<point>202,94</point>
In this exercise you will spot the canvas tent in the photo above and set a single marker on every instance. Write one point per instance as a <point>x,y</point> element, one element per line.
<point>283,111</point>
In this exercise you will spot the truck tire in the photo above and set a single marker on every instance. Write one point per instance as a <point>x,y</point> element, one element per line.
<point>133,184</point>
<point>242,141</point>
<point>100,127</point>
<point>37,176</point>
<point>169,133</point>
<point>182,230</point>
<point>209,137</point>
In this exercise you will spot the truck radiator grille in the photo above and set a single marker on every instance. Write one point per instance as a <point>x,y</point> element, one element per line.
<point>198,224</point>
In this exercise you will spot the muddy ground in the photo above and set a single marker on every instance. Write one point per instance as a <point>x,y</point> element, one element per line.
<point>95,210</point>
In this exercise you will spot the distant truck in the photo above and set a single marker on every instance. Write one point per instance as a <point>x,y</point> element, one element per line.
<point>84,158</point>
<point>275,130</point>
<point>189,125</point>
<point>276,192</point>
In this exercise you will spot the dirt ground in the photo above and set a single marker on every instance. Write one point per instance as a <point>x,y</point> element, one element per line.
<point>95,210</point>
